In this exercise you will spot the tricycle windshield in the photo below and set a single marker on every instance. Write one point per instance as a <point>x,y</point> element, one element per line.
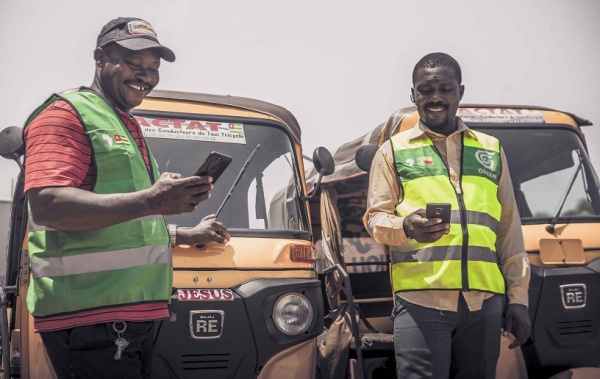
<point>267,196</point>
<point>551,173</point>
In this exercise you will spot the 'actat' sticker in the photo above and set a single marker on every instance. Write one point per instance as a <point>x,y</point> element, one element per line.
<point>213,131</point>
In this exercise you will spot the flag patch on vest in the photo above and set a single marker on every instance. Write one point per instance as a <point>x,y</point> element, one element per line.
<point>421,161</point>
<point>121,139</point>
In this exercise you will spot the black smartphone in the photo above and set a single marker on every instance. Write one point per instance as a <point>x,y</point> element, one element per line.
<point>214,165</point>
<point>438,210</point>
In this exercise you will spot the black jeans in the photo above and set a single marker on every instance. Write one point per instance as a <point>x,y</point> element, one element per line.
<point>430,343</point>
<point>89,351</point>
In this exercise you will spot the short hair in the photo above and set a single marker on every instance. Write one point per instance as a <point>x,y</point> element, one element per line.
<point>438,60</point>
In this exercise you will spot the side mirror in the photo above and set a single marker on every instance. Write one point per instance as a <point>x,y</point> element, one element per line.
<point>364,156</point>
<point>12,145</point>
<point>324,164</point>
<point>323,161</point>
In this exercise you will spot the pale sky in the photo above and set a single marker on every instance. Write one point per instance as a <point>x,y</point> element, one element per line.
<point>341,67</point>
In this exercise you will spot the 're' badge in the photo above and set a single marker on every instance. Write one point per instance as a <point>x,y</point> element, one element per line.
<point>573,295</point>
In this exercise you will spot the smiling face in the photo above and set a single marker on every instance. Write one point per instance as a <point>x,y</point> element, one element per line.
<point>437,93</point>
<point>124,76</point>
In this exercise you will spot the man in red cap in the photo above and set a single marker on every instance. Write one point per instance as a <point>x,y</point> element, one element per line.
<point>99,246</point>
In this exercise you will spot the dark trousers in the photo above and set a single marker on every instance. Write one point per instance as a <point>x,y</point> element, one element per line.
<point>89,351</point>
<point>430,343</point>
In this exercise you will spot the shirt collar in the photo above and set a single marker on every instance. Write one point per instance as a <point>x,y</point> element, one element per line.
<point>420,129</point>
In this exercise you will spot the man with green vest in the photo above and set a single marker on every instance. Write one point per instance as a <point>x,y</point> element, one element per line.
<point>451,279</point>
<point>99,247</point>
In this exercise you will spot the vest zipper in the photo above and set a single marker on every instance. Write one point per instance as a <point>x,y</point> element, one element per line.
<point>151,172</point>
<point>464,257</point>
<point>150,169</point>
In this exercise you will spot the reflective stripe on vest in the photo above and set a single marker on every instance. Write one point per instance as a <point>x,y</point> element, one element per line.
<point>94,262</point>
<point>465,258</point>
<point>35,227</point>
<point>126,263</point>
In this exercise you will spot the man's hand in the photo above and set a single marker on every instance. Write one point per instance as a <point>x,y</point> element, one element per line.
<point>422,229</point>
<point>172,194</point>
<point>74,209</point>
<point>208,230</point>
<point>518,323</point>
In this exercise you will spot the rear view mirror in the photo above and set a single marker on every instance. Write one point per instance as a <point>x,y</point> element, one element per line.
<point>12,145</point>
<point>364,156</point>
<point>11,142</point>
<point>323,161</point>
<point>324,164</point>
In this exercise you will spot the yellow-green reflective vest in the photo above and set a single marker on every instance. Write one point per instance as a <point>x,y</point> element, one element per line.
<point>466,258</point>
<point>127,263</point>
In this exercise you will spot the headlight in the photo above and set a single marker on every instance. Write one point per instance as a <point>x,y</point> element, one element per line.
<point>292,313</point>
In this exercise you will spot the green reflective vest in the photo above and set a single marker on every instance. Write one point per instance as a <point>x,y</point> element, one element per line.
<point>465,259</point>
<point>121,264</point>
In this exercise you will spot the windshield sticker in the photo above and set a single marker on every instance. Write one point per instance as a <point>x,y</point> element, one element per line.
<point>224,132</point>
<point>501,115</point>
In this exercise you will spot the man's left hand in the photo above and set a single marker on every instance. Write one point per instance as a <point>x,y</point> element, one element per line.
<point>208,230</point>
<point>518,323</point>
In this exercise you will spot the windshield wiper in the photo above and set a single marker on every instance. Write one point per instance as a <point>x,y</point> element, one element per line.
<point>235,182</point>
<point>550,228</point>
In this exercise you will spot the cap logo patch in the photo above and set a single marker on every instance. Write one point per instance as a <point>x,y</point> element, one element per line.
<point>141,27</point>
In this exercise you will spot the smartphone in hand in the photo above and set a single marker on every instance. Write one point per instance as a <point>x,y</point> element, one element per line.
<point>438,210</point>
<point>214,165</point>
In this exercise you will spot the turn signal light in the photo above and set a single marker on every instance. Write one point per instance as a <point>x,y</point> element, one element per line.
<point>302,253</point>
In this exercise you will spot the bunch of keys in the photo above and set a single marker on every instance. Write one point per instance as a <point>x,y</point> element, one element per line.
<point>120,342</point>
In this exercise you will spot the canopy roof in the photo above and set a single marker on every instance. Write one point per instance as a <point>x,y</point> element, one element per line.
<point>276,111</point>
<point>344,157</point>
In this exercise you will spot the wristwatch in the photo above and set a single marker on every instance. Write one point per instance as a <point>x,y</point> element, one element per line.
<point>172,229</point>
